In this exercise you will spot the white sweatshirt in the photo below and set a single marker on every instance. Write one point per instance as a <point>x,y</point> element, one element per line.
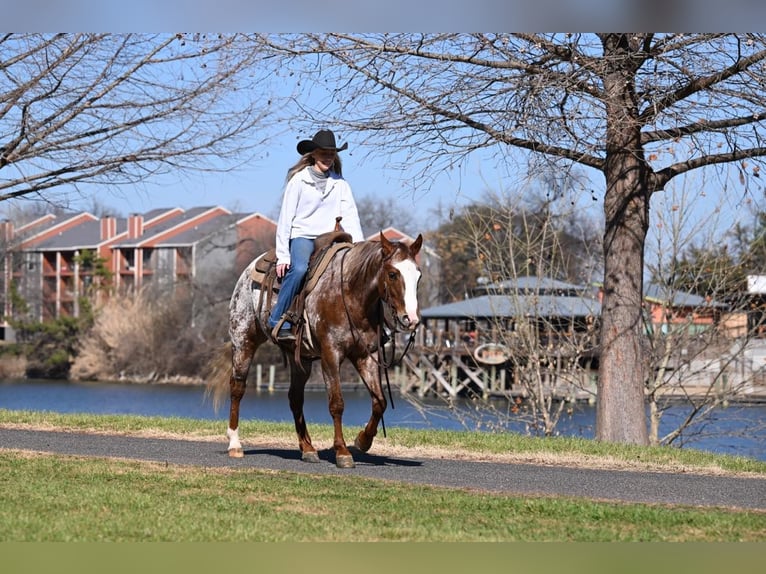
<point>308,213</point>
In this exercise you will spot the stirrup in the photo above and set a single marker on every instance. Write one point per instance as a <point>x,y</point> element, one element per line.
<point>279,334</point>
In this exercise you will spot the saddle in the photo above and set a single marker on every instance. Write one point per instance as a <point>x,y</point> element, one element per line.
<point>264,275</point>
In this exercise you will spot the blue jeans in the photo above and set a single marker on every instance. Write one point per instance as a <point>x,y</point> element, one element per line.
<point>300,252</point>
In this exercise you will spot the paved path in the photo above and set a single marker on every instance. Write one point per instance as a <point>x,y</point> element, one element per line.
<point>517,479</point>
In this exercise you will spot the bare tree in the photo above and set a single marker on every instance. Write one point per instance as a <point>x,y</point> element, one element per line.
<point>640,109</point>
<point>378,213</point>
<point>703,338</point>
<point>535,346</point>
<point>117,109</point>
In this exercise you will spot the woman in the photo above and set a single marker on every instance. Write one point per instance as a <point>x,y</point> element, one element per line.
<point>314,196</point>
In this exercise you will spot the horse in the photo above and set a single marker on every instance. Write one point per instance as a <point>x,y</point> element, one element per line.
<point>366,293</point>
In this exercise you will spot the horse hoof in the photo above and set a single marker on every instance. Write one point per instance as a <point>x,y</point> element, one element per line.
<point>344,461</point>
<point>310,456</point>
<point>236,453</point>
<point>361,446</point>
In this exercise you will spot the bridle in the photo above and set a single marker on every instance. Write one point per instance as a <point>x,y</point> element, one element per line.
<point>391,326</point>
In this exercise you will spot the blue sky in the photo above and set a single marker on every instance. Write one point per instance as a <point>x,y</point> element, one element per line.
<point>705,202</point>
<point>701,203</point>
<point>258,188</point>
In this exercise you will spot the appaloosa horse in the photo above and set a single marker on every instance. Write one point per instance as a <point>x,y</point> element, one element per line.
<point>366,289</point>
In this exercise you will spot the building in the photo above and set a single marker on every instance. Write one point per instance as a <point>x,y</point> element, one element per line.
<point>52,262</point>
<point>670,309</point>
<point>485,342</point>
<point>553,308</point>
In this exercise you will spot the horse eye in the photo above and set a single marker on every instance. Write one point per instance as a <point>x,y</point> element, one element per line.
<point>393,275</point>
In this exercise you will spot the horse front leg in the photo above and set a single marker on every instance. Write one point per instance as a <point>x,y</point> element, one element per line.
<point>331,373</point>
<point>299,374</point>
<point>368,370</point>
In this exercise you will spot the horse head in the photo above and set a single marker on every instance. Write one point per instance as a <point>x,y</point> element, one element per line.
<point>398,282</point>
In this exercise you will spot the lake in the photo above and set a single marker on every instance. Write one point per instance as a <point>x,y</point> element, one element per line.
<point>737,430</point>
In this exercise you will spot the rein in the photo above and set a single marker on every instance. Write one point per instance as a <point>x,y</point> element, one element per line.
<point>383,363</point>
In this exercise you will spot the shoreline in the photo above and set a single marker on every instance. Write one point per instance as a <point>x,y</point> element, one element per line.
<point>181,380</point>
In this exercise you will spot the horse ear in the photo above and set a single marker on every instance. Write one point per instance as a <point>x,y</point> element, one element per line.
<point>388,247</point>
<point>416,245</point>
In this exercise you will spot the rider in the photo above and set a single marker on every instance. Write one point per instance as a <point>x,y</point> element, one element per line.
<point>314,196</point>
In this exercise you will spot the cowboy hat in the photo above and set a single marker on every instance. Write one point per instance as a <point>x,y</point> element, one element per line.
<point>323,139</point>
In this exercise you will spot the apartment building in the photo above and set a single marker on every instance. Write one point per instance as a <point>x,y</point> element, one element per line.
<point>52,262</point>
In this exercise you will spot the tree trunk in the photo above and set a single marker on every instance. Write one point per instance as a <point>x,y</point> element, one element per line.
<point>620,409</point>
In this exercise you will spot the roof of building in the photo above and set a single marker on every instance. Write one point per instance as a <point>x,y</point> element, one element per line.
<point>531,285</point>
<point>394,234</point>
<point>85,235</point>
<point>153,231</point>
<point>515,306</point>
<point>198,232</point>
<point>665,294</point>
<point>178,226</point>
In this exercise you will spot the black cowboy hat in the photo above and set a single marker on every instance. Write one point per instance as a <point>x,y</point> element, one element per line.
<point>323,139</point>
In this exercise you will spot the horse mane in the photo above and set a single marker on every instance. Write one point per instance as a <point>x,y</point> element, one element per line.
<point>365,257</point>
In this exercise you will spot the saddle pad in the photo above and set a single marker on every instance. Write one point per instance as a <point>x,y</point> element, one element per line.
<point>262,265</point>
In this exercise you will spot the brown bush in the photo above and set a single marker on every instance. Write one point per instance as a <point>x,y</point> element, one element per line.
<point>141,338</point>
<point>12,366</point>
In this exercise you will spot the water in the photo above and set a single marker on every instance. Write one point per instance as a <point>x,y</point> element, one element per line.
<point>737,430</point>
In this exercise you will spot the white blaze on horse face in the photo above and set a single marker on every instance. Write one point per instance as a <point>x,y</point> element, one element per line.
<point>411,275</point>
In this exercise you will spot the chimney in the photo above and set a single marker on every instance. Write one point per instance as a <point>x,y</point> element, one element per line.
<point>108,227</point>
<point>135,226</point>
<point>6,231</point>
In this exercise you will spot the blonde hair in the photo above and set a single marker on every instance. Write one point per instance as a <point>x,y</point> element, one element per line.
<point>308,159</point>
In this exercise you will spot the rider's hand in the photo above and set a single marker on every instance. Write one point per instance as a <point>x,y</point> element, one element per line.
<point>282,269</point>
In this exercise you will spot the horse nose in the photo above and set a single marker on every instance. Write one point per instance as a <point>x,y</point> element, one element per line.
<point>410,321</point>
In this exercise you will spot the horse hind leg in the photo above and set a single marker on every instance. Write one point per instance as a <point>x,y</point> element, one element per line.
<point>242,356</point>
<point>237,389</point>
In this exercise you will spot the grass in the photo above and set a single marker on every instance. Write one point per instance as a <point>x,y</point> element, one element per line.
<point>55,498</point>
<point>47,497</point>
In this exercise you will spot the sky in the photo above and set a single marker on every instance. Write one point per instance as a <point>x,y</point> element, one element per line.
<point>259,187</point>
<point>699,207</point>
<point>707,202</point>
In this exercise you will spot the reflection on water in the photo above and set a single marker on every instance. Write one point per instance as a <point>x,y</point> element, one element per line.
<point>736,430</point>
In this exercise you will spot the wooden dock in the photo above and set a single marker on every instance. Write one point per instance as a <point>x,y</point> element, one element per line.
<point>455,371</point>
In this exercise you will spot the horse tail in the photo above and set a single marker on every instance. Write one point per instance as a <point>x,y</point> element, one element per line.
<point>218,375</point>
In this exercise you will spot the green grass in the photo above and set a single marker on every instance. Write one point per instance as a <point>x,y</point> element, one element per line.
<point>59,498</point>
<point>51,498</point>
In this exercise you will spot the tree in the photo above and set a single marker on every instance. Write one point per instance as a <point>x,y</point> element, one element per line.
<point>519,248</point>
<point>378,213</point>
<point>639,109</point>
<point>118,109</point>
<point>703,335</point>
<point>504,237</point>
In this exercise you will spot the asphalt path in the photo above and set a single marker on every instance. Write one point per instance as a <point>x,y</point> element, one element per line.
<point>686,489</point>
